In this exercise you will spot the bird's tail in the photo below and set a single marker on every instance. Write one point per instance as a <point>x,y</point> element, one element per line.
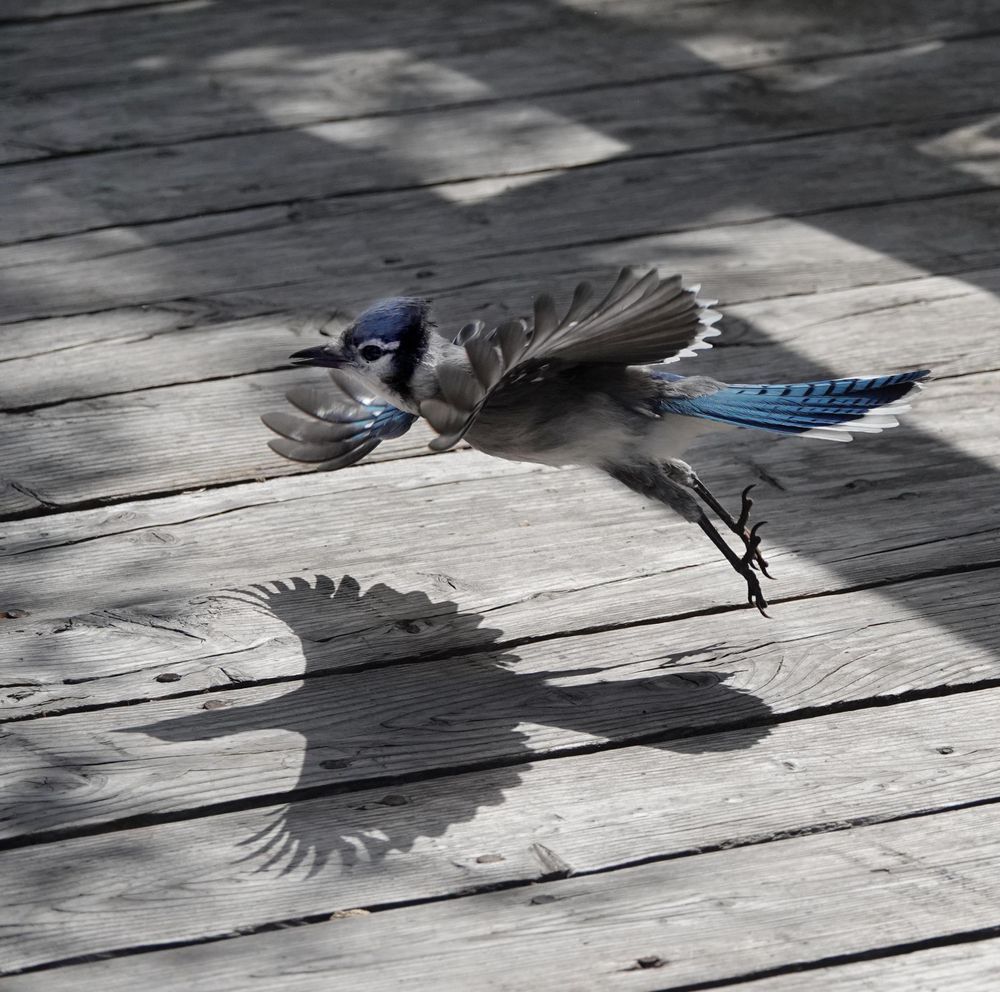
<point>829,409</point>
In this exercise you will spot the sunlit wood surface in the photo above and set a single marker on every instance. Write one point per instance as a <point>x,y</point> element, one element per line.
<point>445,722</point>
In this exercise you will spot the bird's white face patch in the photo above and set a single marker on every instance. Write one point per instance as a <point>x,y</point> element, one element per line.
<point>375,358</point>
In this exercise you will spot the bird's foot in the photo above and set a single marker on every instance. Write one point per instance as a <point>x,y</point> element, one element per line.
<point>742,566</point>
<point>752,556</point>
<point>746,502</point>
<point>755,595</point>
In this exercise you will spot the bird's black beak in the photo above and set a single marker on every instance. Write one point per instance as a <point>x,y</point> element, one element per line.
<point>322,355</point>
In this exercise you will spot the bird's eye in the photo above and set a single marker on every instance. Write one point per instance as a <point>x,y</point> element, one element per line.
<point>371,353</point>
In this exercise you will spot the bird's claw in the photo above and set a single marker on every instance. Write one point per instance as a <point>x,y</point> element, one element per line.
<point>755,595</point>
<point>746,502</point>
<point>752,556</point>
<point>752,560</point>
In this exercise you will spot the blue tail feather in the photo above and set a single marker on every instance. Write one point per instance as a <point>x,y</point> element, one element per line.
<point>821,407</point>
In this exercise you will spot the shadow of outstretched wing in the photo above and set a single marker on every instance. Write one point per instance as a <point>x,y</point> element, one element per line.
<point>379,714</point>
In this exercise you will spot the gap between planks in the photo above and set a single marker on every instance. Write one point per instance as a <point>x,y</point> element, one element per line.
<point>369,185</point>
<point>720,918</point>
<point>583,32</point>
<point>834,772</point>
<point>173,758</point>
<point>169,547</point>
<point>69,474</point>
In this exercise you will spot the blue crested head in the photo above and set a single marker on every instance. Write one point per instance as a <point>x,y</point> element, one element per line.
<point>399,322</point>
<point>384,344</point>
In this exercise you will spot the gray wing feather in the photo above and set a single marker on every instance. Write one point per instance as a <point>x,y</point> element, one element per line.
<point>643,319</point>
<point>312,431</point>
<point>447,421</point>
<point>513,336</point>
<point>460,389</point>
<point>345,422</point>
<point>486,360</point>
<point>316,453</point>
<point>469,331</point>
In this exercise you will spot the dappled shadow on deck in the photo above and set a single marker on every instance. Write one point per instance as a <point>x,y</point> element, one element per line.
<point>279,44</point>
<point>489,703</point>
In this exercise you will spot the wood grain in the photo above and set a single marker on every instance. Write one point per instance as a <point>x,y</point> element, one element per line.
<point>963,967</point>
<point>115,446</point>
<point>156,603</point>
<point>440,838</point>
<point>506,706</point>
<point>190,70</point>
<point>265,247</point>
<point>42,10</point>
<point>52,360</point>
<point>718,916</point>
<point>261,703</point>
<point>515,137</point>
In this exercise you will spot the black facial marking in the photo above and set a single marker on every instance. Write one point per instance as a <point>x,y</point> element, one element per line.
<point>412,345</point>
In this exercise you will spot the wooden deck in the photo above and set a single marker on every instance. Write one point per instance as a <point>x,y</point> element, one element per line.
<point>442,722</point>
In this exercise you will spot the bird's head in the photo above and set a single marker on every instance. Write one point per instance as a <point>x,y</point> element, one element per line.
<point>385,344</point>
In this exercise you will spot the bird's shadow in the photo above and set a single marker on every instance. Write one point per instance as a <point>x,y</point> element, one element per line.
<point>472,708</point>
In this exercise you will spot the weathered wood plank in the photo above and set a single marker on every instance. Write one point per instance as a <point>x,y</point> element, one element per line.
<point>41,10</point>
<point>965,967</point>
<point>81,770</point>
<point>155,569</point>
<point>194,70</point>
<point>114,447</point>
<point>443,837</point>
<point>153,614</point>
<point>187,341</point>
<point>517,137</point>
<point>820,252</point>
<point>200,71</point>
<point>431,246</point>
<point>135,438</point>
<point>796,466</point>
<point>714,917</point>
<point>408,234</point>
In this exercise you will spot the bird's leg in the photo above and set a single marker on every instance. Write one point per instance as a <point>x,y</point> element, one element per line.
<point>738,526</point>
<point>660,481</point>
<point>743,566</point>
<point>749,536</point>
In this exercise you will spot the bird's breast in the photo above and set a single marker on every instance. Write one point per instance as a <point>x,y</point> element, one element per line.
<point>566,430</point>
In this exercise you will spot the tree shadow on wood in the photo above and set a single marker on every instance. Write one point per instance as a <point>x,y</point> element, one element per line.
<point>382,726</point>
<point>430,244</point>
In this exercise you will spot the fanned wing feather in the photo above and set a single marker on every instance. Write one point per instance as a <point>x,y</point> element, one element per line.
<point>346,422</point>
<point>642,319</point>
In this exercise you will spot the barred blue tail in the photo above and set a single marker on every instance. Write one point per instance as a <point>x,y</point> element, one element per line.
<point>831,408</point>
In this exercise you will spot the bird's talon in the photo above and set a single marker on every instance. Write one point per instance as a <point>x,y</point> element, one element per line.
<point>755,597</point>
<point>752,554</point>
<point>745,504</point>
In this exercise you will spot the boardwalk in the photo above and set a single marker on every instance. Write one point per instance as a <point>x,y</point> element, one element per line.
<point>440,722</point>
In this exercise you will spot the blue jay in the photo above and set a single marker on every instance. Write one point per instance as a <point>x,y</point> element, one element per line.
<point>589,388</point>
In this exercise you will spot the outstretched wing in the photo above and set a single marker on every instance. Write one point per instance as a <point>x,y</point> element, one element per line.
<point>642,320</point>
<point>346,422</point>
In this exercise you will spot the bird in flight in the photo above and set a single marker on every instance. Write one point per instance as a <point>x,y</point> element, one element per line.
<point>591,387</point>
